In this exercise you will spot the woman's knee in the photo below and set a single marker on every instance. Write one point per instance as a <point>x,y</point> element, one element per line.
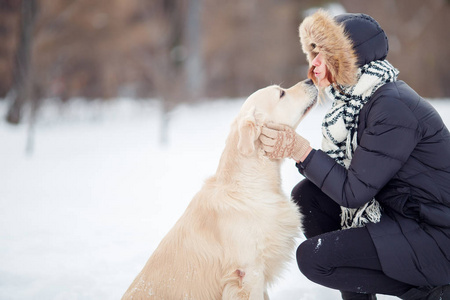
<point>307,259</point>
<point>304,191</point>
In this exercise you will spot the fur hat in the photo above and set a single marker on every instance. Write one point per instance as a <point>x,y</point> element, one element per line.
<point>347,42</point>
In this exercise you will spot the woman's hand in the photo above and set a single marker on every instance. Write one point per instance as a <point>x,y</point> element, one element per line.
<point>281,141</point>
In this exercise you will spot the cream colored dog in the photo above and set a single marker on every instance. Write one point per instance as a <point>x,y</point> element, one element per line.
<point>238,231</point>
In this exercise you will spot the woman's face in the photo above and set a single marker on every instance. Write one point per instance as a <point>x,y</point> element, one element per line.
<point>320,70</point>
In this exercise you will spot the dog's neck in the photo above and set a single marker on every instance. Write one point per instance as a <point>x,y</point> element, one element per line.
<point>252,170</point>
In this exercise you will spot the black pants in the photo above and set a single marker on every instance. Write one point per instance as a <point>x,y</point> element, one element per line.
<point>345,260</point>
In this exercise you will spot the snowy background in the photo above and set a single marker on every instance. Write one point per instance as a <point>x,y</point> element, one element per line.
<point>82,213</point>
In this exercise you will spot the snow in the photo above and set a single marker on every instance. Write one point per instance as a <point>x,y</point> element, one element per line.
<point>319,243</point>
<point>80,216</point>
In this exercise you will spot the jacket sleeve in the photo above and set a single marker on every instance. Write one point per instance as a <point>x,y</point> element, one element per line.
<point>390,135</point>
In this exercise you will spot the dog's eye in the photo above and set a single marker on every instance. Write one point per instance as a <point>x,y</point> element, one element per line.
<point>282,93</point>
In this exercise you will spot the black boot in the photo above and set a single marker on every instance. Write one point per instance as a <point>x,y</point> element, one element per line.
<point>357,296</point>
<point>419,293</point>
<point>425,293</point>
<point>439,293</point>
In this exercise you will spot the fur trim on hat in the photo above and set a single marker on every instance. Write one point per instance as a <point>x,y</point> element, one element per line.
<point>321,33</point>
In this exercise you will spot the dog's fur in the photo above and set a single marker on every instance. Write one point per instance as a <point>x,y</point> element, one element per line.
<point>238,231</point>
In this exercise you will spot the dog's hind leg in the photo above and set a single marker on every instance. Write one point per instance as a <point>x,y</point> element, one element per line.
<point>233,286</point>
<point>245,284</point>
<point>240,273</point>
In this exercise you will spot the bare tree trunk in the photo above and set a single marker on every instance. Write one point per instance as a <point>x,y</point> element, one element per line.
<point>164,124</point>
<point>29,147</point>
<point>9,24</point>
<point>165,60</point>
<point>194,65</point>
<point>21,86</point>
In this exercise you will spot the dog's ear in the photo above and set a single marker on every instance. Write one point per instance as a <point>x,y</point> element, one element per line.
<point>248,133</point>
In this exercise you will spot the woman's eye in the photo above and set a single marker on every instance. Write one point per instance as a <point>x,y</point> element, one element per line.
<point>282,94</point>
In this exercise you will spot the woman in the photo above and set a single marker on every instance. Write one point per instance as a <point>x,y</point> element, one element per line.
<point>376,198</point>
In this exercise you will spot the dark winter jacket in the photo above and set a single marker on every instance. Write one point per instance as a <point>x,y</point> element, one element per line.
<point>403,160</point>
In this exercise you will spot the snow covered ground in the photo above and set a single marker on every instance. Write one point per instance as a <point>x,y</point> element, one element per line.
<point>80,216</point>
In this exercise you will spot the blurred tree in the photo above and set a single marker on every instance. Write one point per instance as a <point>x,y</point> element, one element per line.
<point>184,50</point>
<point>164,57</point>
<point>9,27</point>
<point>251,44</point>
<point>22,82</point>
<point>418,33</point>
<point>194,63</point>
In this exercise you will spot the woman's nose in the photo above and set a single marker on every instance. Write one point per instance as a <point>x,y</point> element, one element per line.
<point>316,61</point>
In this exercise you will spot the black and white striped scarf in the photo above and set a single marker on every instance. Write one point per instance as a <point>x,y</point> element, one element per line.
<point>340,126</point>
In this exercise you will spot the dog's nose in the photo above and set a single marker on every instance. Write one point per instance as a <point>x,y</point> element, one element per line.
<point>308,82</point>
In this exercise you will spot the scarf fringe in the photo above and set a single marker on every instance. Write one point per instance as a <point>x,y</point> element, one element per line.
<point>359,217</point>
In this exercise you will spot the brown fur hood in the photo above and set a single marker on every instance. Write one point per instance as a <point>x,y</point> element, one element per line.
<point>347,42</point>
